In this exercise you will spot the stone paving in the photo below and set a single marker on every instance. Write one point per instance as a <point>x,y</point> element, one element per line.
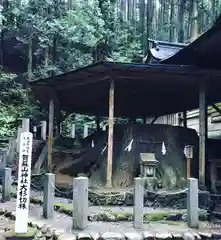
<point>5,223</point>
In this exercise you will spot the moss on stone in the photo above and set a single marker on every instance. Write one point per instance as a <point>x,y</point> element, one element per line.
<point>58,206</point>
<point>203,216</point>
<point>63,206</point>
<point>30,233</point>
<point>156,216</point>
<point>36,200</point>
<point>169,222</point>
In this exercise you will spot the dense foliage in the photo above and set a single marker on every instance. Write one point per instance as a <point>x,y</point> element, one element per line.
<point>66,35</point>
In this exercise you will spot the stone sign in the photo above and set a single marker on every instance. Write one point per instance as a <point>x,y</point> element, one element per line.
<point>24,181</point>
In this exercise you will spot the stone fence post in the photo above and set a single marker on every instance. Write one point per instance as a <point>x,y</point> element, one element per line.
<point>85,130</point>
<point>48,205</point>
<point>25,125</point>
<point>192,203</point>
<point>80,202</point>
<point>43,130</point>
<point>6,184</point>
<point>138,202</point>
<point>73,131</point>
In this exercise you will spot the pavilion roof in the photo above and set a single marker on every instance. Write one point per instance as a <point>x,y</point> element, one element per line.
<point>140,89</point>
<point>204,52</point>
<point>161,50</point>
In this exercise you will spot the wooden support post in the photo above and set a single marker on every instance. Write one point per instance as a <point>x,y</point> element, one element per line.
<point>188,168</point>
<point>50,133</point>
<point>184,119</point>
<point>144,120</point>
<point>202,133</point>
<point>98,124</point>
<point>110,134</point>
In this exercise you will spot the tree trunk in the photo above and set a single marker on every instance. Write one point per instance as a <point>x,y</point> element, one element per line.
<point>142,26</point>
<point>129,10</point>
<point>30,57</point>
<point>54,53</point>
<point>172,21</point>
<point>134,15</point>
<point>154,21</point>
<point>194,31</point>
<point>181,21</point>
<point>70,4</point>
<point>149,17</point>
<point>123,7</point>
<point>4,4</point>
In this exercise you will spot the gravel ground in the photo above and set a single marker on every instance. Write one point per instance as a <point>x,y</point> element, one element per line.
<point>62,221</point>
<point>5,223</point>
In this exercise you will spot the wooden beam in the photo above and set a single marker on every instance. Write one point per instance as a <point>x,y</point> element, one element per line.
<point>202,132</point>
<point>98,124</point>
<point>216,108</point>
<point>144,120</point>
<point>154,120</point>
<point>50,134</point>
<point>110,134</point>
<point>81,82</point>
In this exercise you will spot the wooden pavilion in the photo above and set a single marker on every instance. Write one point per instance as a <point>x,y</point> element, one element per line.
<point>189,79</point>
<point>116,89</point>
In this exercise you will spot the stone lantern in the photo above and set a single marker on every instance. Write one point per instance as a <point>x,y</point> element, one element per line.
<point>148,166</point>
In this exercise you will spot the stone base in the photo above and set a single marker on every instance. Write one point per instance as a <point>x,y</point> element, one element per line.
<point>150,183</point>
<point>176,200</point>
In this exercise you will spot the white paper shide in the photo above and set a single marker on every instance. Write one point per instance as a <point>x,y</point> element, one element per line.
<point>24,180</point>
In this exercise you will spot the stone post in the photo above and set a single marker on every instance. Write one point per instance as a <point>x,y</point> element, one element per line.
<point>192,203</point>
<point>43,130</point>
<point>85,130</point>
<point>25,125</point>
<point>48,206</point>
<point>6,185</point>
<point>73,131</point>
<point>138,202</point>
<point>80,202</point>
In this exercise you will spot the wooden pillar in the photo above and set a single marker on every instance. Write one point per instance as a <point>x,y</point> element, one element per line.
<point>144,120</point>
<point>50,133</point>
<point>98,124</point>
<point>202,133</point>
<point>184,118</point>
<point>110,134</point>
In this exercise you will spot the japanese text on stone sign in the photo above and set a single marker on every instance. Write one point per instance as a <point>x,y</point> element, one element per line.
<point>24,173</point>
<point>24,179</point>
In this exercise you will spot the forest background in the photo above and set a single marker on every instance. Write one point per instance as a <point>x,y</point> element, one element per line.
<point>75,33</point>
